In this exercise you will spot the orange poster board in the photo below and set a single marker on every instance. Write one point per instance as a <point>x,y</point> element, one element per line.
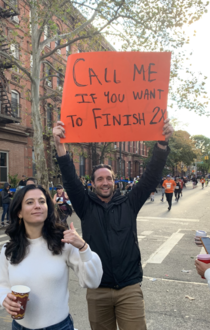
<point>111,96</point>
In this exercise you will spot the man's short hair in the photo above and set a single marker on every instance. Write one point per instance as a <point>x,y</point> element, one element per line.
<point>31,179</point>
<point>97,167</point>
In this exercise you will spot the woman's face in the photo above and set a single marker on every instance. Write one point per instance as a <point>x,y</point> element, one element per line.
<point>34,207</point>
<point>59,191</point>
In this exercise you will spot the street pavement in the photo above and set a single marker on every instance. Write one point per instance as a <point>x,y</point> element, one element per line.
<point>174,299</point>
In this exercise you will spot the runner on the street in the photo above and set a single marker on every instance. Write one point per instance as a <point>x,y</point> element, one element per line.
<point>194,181</point>
<point>181,185</point>
<point>163,189</point>
<point>202,181</point>
<point>152,195</point>
<point>169,186</point>
<point>177,190</point>
<point>109,226</point>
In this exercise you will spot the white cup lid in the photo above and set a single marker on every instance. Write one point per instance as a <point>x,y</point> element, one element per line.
<point>20,289</point>
<point>204,256</point>
<point>201,233</point>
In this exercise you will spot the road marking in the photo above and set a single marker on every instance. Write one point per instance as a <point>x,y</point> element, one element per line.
<point>203,251</point>
<point>2,236</point>
<point>146,233</point>
<point>177,281</point>
<point>140,238</point>
<point>3,242</point>
<point>159,255</point>
<point>167,219</point>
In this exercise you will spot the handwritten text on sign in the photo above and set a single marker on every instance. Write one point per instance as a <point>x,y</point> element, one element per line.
<point>110,96</point>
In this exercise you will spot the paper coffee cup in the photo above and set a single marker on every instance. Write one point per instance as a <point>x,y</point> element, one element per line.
<point>204,258</point>
<point>198,234</point>
<point>22,293</point>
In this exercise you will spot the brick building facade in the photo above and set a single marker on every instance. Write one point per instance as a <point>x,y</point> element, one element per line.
<point>16,132</point>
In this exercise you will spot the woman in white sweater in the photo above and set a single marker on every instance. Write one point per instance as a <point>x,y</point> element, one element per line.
<point>39,255</point>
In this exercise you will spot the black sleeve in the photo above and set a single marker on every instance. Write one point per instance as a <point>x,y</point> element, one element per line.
<point>149,180</point>
<point>4,196</point>
<point>73,186</point>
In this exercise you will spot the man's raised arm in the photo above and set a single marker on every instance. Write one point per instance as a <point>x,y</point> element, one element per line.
<point>152,176</point>
<point>73,186</point>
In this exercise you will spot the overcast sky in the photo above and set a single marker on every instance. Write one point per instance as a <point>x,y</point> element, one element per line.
<point>200,63</point>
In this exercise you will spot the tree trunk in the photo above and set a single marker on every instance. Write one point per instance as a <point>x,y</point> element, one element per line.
<point>38,142</point>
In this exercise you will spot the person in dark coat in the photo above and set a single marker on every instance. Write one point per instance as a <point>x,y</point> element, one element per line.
<point>109,226</point>
<point>6,194</point>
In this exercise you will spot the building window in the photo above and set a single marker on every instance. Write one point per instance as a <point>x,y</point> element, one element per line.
<point>31,61</point>
<point>3,166</point>
<point>129,146</point>
<point>49,115</point>
<point>15,51</point>
<point>58,42</point>
<point>142,148</point>
<point>68,51</point>
<point>59,114</point>
<point>48,73</point>
<point>14,3</point>
<point>122,167</point>
<point>109,162</point>
<point>123,146</point>
<point>15,99</point>
<point>134,147</point>
<point>81,165</point>
<point>33,164</point>
<point>129,169</point>
<point>60,79</point>
<point>47,34</point>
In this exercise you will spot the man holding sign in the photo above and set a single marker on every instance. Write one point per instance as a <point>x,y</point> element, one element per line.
<point>109,226</point>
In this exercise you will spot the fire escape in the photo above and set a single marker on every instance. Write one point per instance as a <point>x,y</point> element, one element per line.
<point>8,112</point>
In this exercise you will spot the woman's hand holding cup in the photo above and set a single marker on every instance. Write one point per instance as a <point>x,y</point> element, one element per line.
<point>10,304</point>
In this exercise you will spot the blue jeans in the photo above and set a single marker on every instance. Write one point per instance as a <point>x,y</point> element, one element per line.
<point>66,324</point>
<point>5,212</point>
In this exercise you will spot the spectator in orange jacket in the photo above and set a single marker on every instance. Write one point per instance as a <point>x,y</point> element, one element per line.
<point>169,186</point>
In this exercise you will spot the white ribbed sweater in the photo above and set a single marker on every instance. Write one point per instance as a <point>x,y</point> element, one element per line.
<point>47,275</point>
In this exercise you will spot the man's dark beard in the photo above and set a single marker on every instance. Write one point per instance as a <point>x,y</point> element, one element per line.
<point>107,196</point>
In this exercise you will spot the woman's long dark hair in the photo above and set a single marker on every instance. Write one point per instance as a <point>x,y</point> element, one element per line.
<point>52,230</point>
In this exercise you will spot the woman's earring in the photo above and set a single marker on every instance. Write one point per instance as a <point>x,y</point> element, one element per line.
<point>20,220</point>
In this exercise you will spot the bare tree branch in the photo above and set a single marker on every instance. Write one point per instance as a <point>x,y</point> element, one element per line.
<point>47,77</point>
<point>72,33</point>
<point>48,63</point>
<point>68,43</point>
<point>50,96</point>
<point>13,61</point>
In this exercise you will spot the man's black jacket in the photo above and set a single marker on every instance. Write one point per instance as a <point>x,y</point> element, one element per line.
<point>110,228</point>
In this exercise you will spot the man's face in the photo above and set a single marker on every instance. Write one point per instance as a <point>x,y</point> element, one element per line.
<point>103,183</point>
<point>168,178</point>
